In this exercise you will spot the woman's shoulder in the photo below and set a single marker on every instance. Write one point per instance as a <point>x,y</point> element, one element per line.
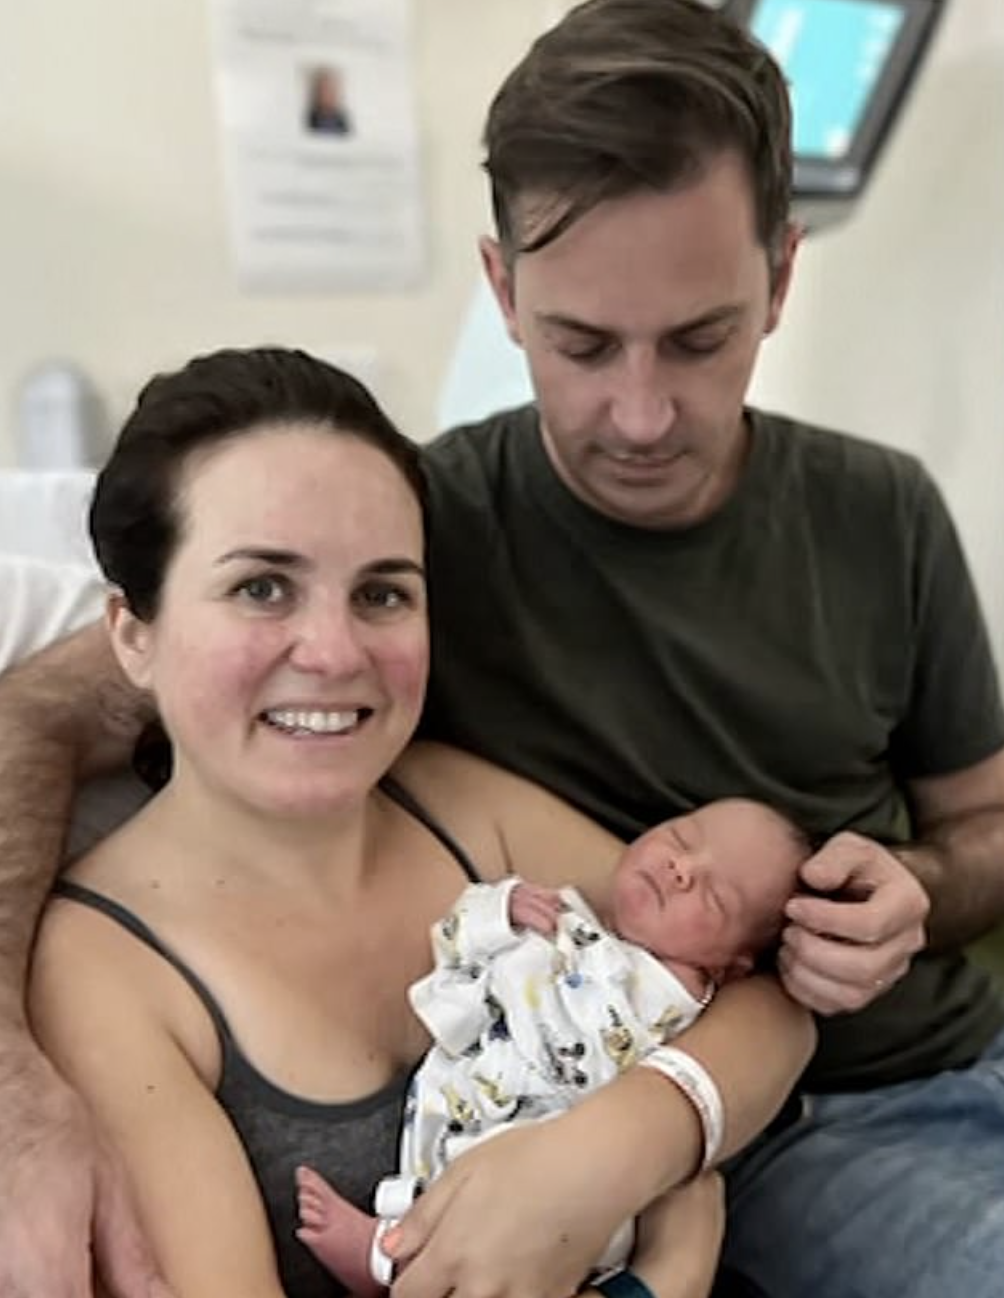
<point>452,782</point>
<point>428,762</point>
<point>510,822</point>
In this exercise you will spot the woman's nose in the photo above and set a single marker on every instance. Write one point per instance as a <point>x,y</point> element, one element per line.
<point>328,640</point>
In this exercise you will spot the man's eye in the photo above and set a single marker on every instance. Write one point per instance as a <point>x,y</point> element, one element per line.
<point>593,354</point>
<point>264,589</point>
<point>702,344</point>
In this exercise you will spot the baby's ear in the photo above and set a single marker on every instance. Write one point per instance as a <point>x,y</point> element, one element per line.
<point>131,638</point>
<point>738,967</point>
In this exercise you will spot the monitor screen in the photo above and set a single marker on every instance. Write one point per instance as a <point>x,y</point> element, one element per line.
<point>849,65</point>
<point>833,53</point>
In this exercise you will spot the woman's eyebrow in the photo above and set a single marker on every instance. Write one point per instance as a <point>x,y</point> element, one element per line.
<point>263,554</point>
<point>393,567</point>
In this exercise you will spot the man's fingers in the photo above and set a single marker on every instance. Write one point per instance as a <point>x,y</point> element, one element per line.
<point>839,961</point>
<point>836,977</point>
<point>122,1255</point>
<point>817,992</point>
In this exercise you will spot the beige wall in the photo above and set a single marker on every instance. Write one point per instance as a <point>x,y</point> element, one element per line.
<point>113,240</point>
<point>895,326</point>
<point>113,245</point>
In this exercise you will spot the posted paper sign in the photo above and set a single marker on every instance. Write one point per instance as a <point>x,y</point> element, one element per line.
<point>320,142</point>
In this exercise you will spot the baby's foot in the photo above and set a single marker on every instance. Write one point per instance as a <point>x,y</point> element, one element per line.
<point>338,1233</point>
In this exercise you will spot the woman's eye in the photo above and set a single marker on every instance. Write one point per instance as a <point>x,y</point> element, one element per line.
<point>264,589</point>
<point>383,597</point>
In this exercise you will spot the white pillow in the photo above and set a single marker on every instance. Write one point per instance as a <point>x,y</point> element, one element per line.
<point>43,515</point>
<point>41,601</point>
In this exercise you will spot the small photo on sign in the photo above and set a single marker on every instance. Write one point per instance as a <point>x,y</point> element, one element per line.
<point>325,110</point>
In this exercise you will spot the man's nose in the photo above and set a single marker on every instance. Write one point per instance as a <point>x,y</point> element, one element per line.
<point>642,410</point>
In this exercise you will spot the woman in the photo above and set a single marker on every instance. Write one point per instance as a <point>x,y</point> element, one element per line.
<point>224,978</point>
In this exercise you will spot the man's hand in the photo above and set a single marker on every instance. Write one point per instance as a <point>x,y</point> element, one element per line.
<point>843,949</point>
<point>65,1211</point>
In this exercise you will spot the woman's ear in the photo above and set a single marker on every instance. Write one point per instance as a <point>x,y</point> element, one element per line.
<point>132,640</point>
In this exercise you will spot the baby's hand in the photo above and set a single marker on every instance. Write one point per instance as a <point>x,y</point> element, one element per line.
<point>534,907</point>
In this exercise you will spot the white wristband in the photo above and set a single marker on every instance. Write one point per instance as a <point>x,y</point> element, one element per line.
<point>699,1087</point>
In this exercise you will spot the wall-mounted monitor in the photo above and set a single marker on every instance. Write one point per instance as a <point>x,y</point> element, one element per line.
<point>850,65</point>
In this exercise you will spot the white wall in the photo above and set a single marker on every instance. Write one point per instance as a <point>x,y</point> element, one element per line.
<point>112,224</point>
<point>895,325</point>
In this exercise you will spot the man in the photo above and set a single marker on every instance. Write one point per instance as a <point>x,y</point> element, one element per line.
<point>646,596</point>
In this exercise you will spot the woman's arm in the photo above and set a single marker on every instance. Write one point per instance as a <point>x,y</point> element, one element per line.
<point>568,1182</point>
<point>109,1018</point>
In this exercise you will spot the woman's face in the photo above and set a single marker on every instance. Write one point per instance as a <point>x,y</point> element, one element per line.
<point>290,650</point>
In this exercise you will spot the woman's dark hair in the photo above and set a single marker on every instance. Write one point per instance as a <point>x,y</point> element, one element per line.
<point>135,520</point>
<point>624,95</point>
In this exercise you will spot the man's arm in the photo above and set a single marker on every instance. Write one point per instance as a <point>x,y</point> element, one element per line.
<point>65,713</point>
<point>959,855</point>
<point>939,892</point>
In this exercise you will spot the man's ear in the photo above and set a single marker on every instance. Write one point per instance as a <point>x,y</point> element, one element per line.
<point>782,273</point>
<point>132,640</point>
<point>501,280</point>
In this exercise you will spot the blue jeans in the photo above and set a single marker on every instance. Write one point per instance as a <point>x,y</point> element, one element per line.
<point>889,1193</point>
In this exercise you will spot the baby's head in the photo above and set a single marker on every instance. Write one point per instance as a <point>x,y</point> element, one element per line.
<point>708,888</point>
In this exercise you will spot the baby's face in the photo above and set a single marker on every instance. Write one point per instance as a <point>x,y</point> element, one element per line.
<point>696,888</point>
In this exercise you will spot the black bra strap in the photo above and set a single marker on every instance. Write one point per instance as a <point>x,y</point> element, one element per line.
<point>134,925</point>
<point>409,803</point>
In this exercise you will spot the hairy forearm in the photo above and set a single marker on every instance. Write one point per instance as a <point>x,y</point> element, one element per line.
<point>960,863</point>
<point>64,713</point>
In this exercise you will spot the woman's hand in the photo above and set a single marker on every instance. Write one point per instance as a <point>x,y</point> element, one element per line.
<point>523,1215</point>
<point>528,1212</point>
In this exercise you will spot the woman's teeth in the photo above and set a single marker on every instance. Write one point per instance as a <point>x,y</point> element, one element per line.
<point>313,722</point>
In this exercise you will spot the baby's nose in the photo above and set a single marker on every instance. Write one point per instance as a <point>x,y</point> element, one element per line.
<point>679,872</point>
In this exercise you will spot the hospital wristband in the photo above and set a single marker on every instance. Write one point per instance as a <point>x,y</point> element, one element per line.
<point>699,1087</point>
<point>622,1284</point>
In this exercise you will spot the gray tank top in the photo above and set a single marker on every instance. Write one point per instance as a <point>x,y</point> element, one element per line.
<point>352,1145</point>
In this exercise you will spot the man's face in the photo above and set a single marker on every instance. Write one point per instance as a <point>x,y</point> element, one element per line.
<point>641,324</point>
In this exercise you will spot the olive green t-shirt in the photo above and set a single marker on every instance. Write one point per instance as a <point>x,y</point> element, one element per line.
<point>815,644</point>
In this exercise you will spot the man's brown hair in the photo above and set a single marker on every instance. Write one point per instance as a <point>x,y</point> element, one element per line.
<point>625,95</point>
